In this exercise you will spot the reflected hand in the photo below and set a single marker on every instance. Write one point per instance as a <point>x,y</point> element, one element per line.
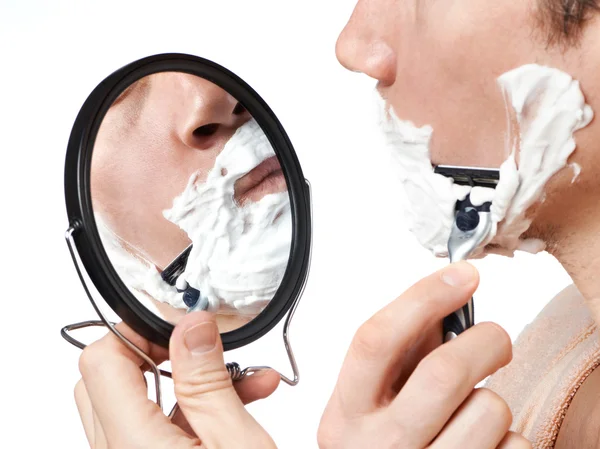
<point>399,387</point>
<point>112,395</point>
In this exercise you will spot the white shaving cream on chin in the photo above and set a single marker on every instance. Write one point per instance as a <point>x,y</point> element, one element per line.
<point>239,254</point>
<point>549,107</point>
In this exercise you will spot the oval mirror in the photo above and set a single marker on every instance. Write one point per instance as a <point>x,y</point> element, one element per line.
<point>187,195</point>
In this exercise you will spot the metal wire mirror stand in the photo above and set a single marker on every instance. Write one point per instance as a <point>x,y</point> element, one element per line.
<point>234,369</point>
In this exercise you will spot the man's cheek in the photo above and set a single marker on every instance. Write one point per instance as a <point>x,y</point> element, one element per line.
<point>478,36</point>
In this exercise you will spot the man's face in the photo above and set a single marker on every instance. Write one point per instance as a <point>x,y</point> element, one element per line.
<point>437,63</point>
<point>165,128</point>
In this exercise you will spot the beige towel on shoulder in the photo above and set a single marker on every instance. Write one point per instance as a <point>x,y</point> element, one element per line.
<point>551,358</point>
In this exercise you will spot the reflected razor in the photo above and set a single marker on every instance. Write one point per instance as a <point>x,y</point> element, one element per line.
<point>191,296</point>
<point>472,225</point>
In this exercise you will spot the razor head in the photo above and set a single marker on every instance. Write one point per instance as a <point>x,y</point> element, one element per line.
<point>175,268</point>
<point>470,176</point>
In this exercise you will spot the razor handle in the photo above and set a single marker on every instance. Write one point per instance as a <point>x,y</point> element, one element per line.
<point>459,321</point>
<point>472,225</point>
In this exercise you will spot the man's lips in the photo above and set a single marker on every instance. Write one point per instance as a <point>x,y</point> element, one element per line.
<point>267,177</point>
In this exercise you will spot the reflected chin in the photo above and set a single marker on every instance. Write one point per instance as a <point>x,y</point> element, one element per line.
<point>228,323</point>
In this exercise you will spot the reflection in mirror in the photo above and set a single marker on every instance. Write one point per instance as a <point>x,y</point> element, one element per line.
<point>190,200</point>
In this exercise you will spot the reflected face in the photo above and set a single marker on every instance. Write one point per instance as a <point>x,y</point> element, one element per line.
<point>180,167</point>
<point>158,133</point>
<point>437,63</point>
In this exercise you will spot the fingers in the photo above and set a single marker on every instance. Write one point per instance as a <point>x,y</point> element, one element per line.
<point>382,342</point>
<point>204,389</point>
<point>117,391</point>
<point>258,386</point>
<point>179,419</point>
<point>86,412</point>
<point>513,440</point>
<point>92,427</point>
<point>444,378</point>
<point>488,410</point>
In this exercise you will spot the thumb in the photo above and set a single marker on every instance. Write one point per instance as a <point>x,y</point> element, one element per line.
<point>204,389</point>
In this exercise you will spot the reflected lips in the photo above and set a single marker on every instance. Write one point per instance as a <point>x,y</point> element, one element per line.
<point>267,177</point>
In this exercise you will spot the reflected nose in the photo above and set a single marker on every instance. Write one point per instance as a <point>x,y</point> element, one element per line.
<point>212,116</point>
<point>362,47</point>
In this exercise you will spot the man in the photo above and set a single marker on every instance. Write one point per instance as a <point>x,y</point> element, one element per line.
<point>436,63</point>
<point>165,146</point>
<point>161,130</point>
<point>399,387</point>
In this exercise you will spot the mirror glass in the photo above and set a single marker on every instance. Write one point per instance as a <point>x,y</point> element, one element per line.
<point>190,200</point>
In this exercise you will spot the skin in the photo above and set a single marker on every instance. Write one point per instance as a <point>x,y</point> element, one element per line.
<point>399,386</point>
<point>154,137</point>
<point>165,125</point>
<point>226,322</point>
<point>436,63</point>
<point>115,411</point>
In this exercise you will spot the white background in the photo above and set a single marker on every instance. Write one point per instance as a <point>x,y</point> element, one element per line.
<point>53,55</point>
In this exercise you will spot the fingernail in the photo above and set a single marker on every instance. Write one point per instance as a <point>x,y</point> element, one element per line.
<point>458,274</point>
<point>201,337</point>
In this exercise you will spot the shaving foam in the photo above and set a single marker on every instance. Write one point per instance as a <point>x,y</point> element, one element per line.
<point>239,253</point>
<point>549,107</point>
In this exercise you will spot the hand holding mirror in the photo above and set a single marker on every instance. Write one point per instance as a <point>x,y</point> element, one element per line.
<point>184,193</point>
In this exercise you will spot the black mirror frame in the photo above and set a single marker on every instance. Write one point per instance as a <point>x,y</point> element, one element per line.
<point>81,218</point>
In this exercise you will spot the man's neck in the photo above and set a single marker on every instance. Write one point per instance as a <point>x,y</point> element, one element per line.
<point>577,248</point>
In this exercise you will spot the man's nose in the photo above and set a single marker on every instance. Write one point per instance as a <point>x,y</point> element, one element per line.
<point>362,47</point>
<point>213,115</point>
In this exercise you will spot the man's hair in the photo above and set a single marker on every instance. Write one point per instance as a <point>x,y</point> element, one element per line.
<point>564,20</point>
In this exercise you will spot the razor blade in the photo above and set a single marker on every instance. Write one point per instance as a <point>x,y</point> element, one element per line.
<point>176,267</point>
<point>191,296</point>
<point>470,176</point>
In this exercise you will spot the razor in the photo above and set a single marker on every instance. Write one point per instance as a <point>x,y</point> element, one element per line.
<point>191,296</point>
<point>471,226</point>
